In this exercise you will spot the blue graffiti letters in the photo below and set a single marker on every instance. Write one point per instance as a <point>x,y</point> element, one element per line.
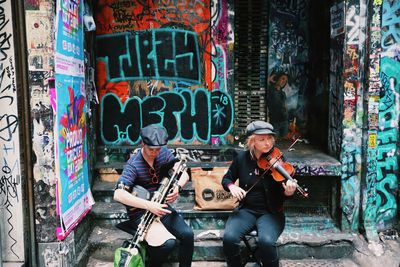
<point>187,114</point>
<point>170,54</point>
<point>118,121</point>
<point>196,115</point>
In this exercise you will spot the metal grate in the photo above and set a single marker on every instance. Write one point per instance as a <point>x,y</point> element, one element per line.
<point>251,51</point>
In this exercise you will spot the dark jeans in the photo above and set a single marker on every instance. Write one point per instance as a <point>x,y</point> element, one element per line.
<point>157,255</point>
<point>243,221</point>
<point>178,228</point>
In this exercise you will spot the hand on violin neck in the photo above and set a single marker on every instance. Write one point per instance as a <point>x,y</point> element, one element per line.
<point>237,192</point>
<point>289,187</point>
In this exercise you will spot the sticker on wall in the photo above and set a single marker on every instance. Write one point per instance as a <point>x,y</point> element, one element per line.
<point>337,19</point>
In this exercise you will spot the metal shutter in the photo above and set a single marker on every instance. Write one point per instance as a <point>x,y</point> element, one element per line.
<point>251,52</point>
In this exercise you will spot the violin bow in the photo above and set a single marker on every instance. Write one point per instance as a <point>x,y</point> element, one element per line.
<point>294,142</point>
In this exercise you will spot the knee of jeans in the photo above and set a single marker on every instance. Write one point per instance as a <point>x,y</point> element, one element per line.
<point>169,244</point>
<point>231,238</point>
<point>266,242</point>
<point>186,235</point>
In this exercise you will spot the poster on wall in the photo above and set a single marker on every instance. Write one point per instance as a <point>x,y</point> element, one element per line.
<point>74,198</point>
<point>337,19</point>
<point>39,40</point>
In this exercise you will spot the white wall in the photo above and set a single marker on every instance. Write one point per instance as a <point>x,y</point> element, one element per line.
<point>11,215</point>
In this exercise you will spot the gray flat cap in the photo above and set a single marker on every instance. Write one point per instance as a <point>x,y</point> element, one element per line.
<point>154,135</point>
<point>259,127</point>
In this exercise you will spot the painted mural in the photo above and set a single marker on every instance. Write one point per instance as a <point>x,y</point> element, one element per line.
<point>388,138</point>
<point>371,191</point>
<point>74,198</point>
<point>164,62</point>
<point>142,48</point>
<point>335,87</point>
<point>222,45</point>
<point>11,199</point>
<point>288,58</point>
<point>350,155</point>
<point>374,85</point>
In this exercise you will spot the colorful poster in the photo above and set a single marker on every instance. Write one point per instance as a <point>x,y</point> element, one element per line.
<point>69,54</point>
<point>74,198</point>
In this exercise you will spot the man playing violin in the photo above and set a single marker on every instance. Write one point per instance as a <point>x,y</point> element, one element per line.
<point>261,198</point>
<point>144,169</point>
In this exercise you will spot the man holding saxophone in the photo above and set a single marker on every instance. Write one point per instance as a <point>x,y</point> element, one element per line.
<point>143,169</point>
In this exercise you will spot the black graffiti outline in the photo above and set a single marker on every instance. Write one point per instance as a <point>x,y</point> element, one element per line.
<point>6,87</point>
<point>7,182</point>
<point>2,17</point>
<point>9,126</point>
<point>4,40</point>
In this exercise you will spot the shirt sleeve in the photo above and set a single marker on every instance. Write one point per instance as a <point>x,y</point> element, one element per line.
<point>169,156</point>
<point>231,175</point>
<point>128,175</point>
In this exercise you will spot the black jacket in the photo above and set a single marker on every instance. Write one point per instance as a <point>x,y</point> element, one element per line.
<point>245,168</point>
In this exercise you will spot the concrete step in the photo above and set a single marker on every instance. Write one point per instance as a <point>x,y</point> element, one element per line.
<point>284,263</point>
<point>365,254</point>
<point>208,244</point>
<point>310,231</point>
<point>103,191</point>
<point>108,214</point>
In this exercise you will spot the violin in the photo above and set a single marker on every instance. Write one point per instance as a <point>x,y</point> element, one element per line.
<point>280,170</point>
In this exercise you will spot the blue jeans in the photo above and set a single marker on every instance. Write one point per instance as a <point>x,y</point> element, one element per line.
<point>243,221</point>
<point>178,228</point>
<point>157,255</point>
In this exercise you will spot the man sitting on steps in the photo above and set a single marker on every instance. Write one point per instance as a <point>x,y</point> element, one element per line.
<point>143,169</point>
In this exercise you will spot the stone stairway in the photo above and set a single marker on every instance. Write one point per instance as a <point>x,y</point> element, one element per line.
<point>310,233</point>
<point>284,263</point>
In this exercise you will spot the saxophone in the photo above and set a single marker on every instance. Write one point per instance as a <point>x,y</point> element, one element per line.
<point>150,228</point>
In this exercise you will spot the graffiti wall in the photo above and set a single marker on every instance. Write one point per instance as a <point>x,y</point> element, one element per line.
<point>387,163</point>
<point>373,184</point>
<point>288,58</point>
<point>350,155</point>
<point>374,85</point>
<point>11,201</point>
<point>40,39</point>
<point>336,81</point>
<point>166,62</point>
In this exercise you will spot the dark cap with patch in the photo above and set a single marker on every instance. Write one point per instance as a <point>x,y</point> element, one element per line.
<point>154,135</point>
<point>259,127</point>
